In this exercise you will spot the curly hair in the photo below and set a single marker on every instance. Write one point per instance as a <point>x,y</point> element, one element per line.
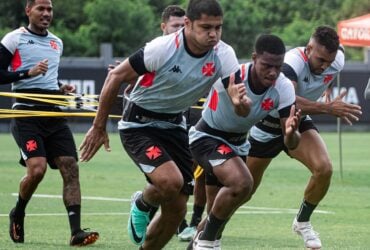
<point>327,37</point>
<point>269,43</point>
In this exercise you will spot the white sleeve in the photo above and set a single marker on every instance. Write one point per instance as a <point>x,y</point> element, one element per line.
<point>286,92</point>
<point>295,61</point>
<point>158,51</point>
<point>11,40</point>
<point>339,61</point>
<point>229,62</point>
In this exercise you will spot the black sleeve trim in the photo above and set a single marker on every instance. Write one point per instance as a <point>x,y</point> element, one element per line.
<point>6,76</point>
<point>289,72</point>
<point>238,79</point>
<point>285,112</point>
<point>137,62</point>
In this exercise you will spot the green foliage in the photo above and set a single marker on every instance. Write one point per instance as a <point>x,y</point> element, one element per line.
<point>128,24</point>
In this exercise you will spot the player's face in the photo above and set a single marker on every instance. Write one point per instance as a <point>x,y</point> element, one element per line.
<point>319,58</point>
<point>267,67</point>
<point>173,24</point>
<point>203,34</point>
<point>40,15</point>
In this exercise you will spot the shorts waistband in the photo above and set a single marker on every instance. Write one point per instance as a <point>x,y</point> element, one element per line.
<point>134,113</point>
<point>233,138</point>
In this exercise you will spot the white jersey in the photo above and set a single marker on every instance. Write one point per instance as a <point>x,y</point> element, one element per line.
<point>173,78</point>
<point>28,49</point>
<point>309,85</point>
<point>219,111</point>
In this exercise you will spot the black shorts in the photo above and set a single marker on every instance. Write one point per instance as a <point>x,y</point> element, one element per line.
<point>210,152</point>
<point>48,137</point>
<point>273,147</point>
<point>150,147</point>
<point>192,116</point>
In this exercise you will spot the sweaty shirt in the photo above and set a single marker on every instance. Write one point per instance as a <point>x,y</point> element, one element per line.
<point>174,78</point>
<point>219,111</point>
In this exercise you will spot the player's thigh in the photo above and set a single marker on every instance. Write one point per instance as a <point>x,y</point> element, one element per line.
<point>312,151</point>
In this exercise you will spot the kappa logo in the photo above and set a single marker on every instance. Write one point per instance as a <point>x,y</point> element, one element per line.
<point>30,42</point>
<point>305,79</point>
<point>175,69</point>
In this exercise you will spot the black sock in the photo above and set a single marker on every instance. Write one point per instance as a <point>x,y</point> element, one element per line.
<point>221,230</point>
<point>74,217</point>
<point>20,206</point>
<point>305,211</point>
<point>152,212</point>
<point>212,228</point>
<point>143,205</point>
<point>197,215</point>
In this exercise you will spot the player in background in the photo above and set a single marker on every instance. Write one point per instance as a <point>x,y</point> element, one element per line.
<point>29,58</point>
<point>311,69</point>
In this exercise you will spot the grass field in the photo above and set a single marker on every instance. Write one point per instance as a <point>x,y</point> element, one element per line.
<point>343,217</point>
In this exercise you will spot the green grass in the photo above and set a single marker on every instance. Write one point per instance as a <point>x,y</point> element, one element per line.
<point>114,175</point>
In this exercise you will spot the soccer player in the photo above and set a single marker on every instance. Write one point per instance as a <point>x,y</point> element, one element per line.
<point>218,141</point>
<point>32,55</point>
<point>177,70</point>
<point>311,69</point>
<point>172,19</point>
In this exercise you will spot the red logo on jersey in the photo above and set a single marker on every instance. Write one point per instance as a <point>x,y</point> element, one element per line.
<point>147,80</point>
<point>224,149</point>
<point>153,152</point>
<point>267,104</point>
<point>54,45</point>
<point>328,79</point>
<point>31,145</point>
<point>208,69</point>
<point>214,101</point>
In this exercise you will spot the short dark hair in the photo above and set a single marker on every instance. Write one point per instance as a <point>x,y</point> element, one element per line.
<point>172,10</point>
<point>29,3</point>
<point>208,7</point>
<point>327,37</point>
<point>269,43</point>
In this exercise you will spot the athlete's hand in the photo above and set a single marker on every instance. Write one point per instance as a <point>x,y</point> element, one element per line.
<point>93,140</point>
<point>39,68</point>
<point>327,95</point>
<point>292,122</point>
<point>239,98</point>
<point>67,88</point>
<point>346,111</point>
<point>112,66</point>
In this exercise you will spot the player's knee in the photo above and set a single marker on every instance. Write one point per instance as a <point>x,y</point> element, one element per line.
<point>242,188</point>
<point>37,173</point>
<point>170,187</point>
<point>324,171</point>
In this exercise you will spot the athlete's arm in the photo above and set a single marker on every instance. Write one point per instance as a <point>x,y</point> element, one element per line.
<point>5,75</point>
<point>290,126</point>
<point>9,77</point>
<point>337,107</point>
<point>97,134</point>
